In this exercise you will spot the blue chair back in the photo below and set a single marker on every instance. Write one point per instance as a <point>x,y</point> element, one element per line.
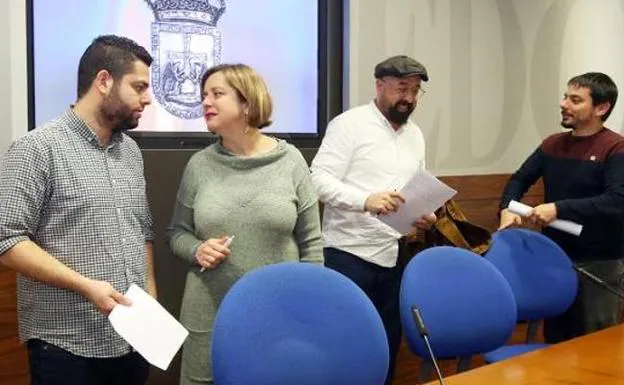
<point>537,269</point>
<point>466,304</point>
<point>296,323</point>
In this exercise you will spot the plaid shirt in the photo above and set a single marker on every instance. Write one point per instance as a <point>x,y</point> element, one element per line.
<point>86,206</point>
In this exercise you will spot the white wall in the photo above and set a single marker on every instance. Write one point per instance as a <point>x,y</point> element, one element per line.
<point>13,98</point>
<point>5,95</point>
<point>497,69</point>
<point>5,76</point>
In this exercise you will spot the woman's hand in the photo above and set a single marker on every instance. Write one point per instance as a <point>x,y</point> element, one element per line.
<point>212,252</point>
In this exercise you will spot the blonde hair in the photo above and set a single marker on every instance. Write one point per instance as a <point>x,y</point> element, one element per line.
<point>250,88</point>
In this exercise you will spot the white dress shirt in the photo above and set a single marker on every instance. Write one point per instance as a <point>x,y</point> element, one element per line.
<point>362,154</point>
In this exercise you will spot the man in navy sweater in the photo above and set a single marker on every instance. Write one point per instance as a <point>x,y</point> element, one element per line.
<point>583,175</point>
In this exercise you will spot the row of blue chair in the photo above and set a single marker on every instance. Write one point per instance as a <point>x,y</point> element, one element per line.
<point>472,304</point>
<point>294,323</point>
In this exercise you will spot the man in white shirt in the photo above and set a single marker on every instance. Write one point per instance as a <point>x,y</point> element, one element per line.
<point>367,154</point>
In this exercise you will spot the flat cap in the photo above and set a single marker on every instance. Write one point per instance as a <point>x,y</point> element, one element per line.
<point>401,66</point>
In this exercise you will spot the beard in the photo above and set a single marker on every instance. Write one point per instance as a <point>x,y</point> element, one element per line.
<point>398,116</point>
<point>117,114</point>
<point>568,121</point>
<point>565,124</point>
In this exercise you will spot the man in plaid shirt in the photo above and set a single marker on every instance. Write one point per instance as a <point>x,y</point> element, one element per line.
<point>75,223</point>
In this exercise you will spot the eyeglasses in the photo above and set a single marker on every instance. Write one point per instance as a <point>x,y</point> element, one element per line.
<point>416,93</point>
<point>404,91</point>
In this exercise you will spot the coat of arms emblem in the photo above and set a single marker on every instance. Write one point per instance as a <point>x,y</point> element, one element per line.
<point>185,43</point>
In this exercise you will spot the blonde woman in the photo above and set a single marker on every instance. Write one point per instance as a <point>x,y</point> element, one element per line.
<point>244,202</point>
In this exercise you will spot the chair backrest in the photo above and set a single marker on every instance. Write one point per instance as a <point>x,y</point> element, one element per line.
<point>466,304</point>
<point>537,269</point>
<point>295,323</point>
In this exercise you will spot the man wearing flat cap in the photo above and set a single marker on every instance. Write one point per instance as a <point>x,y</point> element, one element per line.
<point>368,153</point>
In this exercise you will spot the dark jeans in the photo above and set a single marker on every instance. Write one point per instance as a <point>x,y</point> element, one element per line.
<point>594,308</point>
<point>51,365</point>
<point>381,285</point>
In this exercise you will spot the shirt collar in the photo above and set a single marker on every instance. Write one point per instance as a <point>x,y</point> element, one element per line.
<point>82,128</point>
<point>382,118</point>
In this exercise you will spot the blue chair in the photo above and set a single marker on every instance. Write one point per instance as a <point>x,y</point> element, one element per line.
<point>295,323</point>
<point>466,304</point>
<point>541,277</point>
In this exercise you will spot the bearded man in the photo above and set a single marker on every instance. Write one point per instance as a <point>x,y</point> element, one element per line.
<point>75,223</point>
<point>367,154</point>
<point>583,173</point>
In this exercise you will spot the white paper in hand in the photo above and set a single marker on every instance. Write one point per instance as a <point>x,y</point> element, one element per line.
<point>148,328</point>
<point>424,194</point>
<point>559,224</point>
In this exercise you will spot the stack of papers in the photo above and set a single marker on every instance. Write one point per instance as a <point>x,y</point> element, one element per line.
<point>424,194</point>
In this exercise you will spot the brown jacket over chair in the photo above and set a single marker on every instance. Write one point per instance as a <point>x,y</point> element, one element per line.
<point>451,229</point>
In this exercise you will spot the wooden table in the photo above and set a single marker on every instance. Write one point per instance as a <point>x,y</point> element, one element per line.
<point>596,359</point>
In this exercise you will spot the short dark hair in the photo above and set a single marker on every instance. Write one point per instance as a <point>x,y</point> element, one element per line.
<point>115,54</point>
<point>601,86</point>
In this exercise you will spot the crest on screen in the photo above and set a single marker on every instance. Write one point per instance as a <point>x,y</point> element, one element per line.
<point>185,43</point>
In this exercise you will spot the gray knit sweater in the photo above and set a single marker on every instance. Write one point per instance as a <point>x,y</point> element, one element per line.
<point>267,202</point>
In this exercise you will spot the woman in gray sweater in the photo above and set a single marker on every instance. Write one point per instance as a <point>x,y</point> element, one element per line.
<point>249,186</point>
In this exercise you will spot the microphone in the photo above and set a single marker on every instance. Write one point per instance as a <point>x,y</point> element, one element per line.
<point>424,334</point>
<point>598,281</point>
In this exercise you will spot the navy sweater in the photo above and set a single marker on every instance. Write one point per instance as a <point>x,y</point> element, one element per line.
<point>584,177</point>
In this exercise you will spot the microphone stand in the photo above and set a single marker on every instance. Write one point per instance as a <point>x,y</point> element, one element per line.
<point>424,334</point>
<point>598,281</point>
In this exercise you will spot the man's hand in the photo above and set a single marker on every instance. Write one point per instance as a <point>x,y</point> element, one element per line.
<point>103,296</point>
<point>543,214</point>
<point>509,219</point>
<point>384,203</point>
<point>425,222</point>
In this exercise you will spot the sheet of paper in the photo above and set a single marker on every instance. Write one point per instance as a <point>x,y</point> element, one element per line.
<point>424,194</point>
<point>559,224</point>
<point>148,328</point>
